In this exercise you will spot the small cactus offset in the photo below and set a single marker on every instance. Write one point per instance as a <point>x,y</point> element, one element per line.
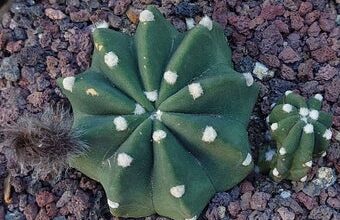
<point>300,131</point>
<point>165,117</point>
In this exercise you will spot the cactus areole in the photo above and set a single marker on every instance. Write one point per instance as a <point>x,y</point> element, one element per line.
<point>165,116</point>
<point>301,131</point>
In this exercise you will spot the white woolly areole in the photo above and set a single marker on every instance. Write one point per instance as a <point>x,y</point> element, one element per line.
<point>177,191</point>
<point>308,129</point>
<point>304,119</point>
<point>190,22</point>
<point>276,172</point>
<point>274,126</point>
<point>287,108</point>
<point>193,218</point>
<point>152,96</point>
<point>159,114</point>
<point>288,92</point>
<point>269,154</point>
<point>111,59</point>
<point>328,134</point>
<point>113,205</point>
<point>158,135</point>
<point>195,90</point>
<point>249,79</point>
<point>92,92</point>
<point>206,22</point>
<point>139,110</point>
<point>282,151</point>
<point>248,160</point>
<point>209,134</point>
<point>68,83</point>
<point>124,160</point>
<point>303,179</point>
<point>146,15</point>
<point>303,111</point>
<point>101,24</point>
<point>308,164</point>
<point>170,77</point>
<point>314,114</point>
<point>318,97</point>
<point>120,123</point>
<point>261,71</point>
<point>267,119</point>
<point>323,154</point>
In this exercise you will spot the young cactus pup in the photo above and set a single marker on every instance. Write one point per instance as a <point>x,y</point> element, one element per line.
<point>300,131</point>
<point>165,117</point>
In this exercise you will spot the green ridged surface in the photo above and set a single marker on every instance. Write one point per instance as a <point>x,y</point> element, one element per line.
<point>175,176</point>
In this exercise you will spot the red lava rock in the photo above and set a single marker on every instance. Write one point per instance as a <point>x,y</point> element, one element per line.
<point>323,54</point>
<point>51,209</point>
<point>287,72</point>
<point>255,22</point>
<point>252,48</point>
<point>83,59</point>
<point>43,198</point>
<point>54,14</point>
<point>79,202</point>
<point>307,201</point>
<point>87,184</point>
<point>115,21</point>
<point>334,202</point>
<point>80,16</point>
<point>42,215</point>
<point>332,90</point>
<point>270,60</point>
<point>296,21</point>
<point>312,16</point>
<point>14,46</point>
<point>234,208</point>
<point>133,15</point>
<point>314,30</point>
<point>36,99</point>
<point>285,213</point>
<point>259,201</point>
<point>326,24</point>
<point>52,66</point>
<point>290,4</point>
<point>282,26</point>
<point>326,72</point>
<point>220,12</point>
<point>246,186</point>
<point>121,6</point>
<point>313,43</point>
<point>245,201</point>
<point>288,55</point>
<point>310,87</point>
<point>3,39</point>
<point>31,211</point>
<point>321,212</point>
<point>269,12</point>
<point>305,7</point>
<point>241,23</point>
<point>305,70</point>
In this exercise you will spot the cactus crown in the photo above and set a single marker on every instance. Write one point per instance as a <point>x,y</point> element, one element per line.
<point>165,116</point>
<point>301,131</point>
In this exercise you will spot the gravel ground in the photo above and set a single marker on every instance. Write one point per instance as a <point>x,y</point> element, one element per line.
<point>297,43</point>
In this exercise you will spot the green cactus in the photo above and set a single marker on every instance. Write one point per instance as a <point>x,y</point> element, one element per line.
<point>165,116</point>
<point>300,131</point>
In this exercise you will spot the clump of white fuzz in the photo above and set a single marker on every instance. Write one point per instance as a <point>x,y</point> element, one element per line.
<point>152,96</point>
<point>249,79</point>
<point>120,123</point>
<point>209,134</point>
<point>328,134</point>
<point>314,114</point>
<point>124,160</point>
<point>288,92</point>
<point>303,111</point>
<point>177,191</point>
<point>170,77</point>
<point>206,22</point>
<point>303,179</point>
<point>158,135</point>
<point>112,205</point>
<point>68,83</point>
<point>111,59</point>
<point>274,126</point>
<point>146,15</point>
<point>318,97</point>
<point>190,22</point>
<point>323,154</point>
<point>248,160</point>
<point>282,151</point>
<point>276,172</point>
<point>308,128</point>
<point>261,71</point>
<point>287,108</point>
<point>195,90</point>
<point>91,92</point>
<point>193,218</point>
<point>101,24</point>
<point>308,164</point>
<point>158,115</point>
<point>270,154</point>
<point>139,110</point>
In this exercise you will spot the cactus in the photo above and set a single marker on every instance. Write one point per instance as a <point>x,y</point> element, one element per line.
<point>165,116</point>
<point>300,131</point>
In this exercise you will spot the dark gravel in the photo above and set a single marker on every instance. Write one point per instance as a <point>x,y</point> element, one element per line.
<point>298,40</point>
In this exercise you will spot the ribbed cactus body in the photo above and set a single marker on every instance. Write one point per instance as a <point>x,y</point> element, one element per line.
<point>301,131</point>
<point>165,116</point>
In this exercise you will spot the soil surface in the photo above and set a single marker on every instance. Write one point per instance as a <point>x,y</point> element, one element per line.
<point>297,41</point>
